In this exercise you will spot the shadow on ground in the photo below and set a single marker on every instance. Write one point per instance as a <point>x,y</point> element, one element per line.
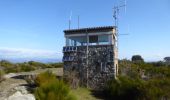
<point>100,95</point>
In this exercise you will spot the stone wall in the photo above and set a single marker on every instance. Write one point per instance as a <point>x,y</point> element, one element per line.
<point>93,72</point>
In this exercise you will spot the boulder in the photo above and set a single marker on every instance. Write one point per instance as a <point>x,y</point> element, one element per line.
<point>19,96</point>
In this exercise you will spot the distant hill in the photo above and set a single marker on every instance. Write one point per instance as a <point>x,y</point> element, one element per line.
<point>43,60</point>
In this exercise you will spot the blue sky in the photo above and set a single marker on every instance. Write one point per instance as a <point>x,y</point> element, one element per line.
<point>34,28</point>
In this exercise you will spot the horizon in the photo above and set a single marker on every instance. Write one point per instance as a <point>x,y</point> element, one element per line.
<point>34,29</point>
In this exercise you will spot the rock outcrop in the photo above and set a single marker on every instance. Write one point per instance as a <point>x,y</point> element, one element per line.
<point>19,96</point>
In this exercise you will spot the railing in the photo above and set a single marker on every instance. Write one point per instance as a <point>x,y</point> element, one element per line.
<point>69,58</point>
<point>69,49</point>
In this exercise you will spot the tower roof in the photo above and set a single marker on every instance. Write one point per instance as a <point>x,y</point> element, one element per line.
<point>90,29</point>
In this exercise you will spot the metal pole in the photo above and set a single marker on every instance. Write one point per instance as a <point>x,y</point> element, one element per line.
<point>69,24</point>
<point>78,22</point>
<point>87,52</point>
<point>70,20</point>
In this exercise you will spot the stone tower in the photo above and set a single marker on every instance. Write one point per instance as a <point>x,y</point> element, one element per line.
<point>92,54</point>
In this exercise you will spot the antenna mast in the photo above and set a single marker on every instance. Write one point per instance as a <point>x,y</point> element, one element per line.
<point>78,21</point>
<point>70,20</point>
<point>116,10</point>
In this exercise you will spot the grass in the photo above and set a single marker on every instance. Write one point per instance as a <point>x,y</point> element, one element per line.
<point>83,94</point>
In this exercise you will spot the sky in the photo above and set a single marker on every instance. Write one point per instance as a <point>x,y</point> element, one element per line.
<point>34,28</point>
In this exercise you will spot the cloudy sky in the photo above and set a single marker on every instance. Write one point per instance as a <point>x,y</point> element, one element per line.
<point>28,53</point>
<point>34,28</point>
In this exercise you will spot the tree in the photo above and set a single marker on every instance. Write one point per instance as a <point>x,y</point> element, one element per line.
<point>167,60</point>
<point>137,58</point>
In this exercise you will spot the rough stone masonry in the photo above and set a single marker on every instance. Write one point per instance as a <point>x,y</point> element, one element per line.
<point>91,54</point>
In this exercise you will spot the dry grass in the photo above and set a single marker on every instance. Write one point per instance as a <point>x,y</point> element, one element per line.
<point>83,94</point>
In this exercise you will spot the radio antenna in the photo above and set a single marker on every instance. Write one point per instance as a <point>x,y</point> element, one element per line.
<point>116,10</point>
<point>78,21</point>
<point>70,20</point>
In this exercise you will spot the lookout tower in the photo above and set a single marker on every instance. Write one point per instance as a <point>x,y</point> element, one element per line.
<point>92,54</point>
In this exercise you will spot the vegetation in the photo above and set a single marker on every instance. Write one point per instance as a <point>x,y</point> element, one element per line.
<point>83,94</point>
<point>137,58</point>
<point>60,89</point>
<point>137,89</point>
<point>26,66</point>
<point>167,60</point>
<point>137,80</point>
<point>140,81</point>
<point>1,75</point>
<point>50,88</point>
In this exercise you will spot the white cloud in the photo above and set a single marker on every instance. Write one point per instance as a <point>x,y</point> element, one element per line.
<point>28,53</point>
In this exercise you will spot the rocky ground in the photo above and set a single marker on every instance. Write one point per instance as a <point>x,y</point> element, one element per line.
<point>16,89</point>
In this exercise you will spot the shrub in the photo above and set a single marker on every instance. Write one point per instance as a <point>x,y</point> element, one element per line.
<point>1,75</point>
<point>55,90</point>
<point>10,67</point>
<point>45,78</point>
<point>55,65</point>
<point>123,88</point>
<point>136,89</point>
<point>156,89</point>
<point>51,88</point>
<point>6,63</point>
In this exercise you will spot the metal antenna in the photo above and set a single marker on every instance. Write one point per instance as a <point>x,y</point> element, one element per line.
<point>125,6</point>
<point>78,21</point>
<point>70,20</point>
<point>116,10</point>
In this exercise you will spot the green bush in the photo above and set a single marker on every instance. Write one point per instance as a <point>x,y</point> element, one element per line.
<point>136,89</point>
<point>1,75</point>
<point>51,88</point>
<point>155,85</point>
<point>45,78</point>
<point>123,88</point>
<point>55,65</point>
<point>10,67</point>
<point>5,63</point>
<point>156,89</point>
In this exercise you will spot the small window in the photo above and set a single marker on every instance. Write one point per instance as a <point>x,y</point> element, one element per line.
<point>93,39</point>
